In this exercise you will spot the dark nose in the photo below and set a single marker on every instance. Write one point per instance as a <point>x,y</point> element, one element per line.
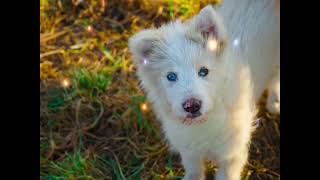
<point>192,105</point>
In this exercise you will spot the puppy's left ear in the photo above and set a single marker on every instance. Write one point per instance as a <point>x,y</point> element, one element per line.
<point>206,26</point>
<point>143,46</point>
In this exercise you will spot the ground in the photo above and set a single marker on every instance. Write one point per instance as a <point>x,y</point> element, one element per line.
<point>95,122</point>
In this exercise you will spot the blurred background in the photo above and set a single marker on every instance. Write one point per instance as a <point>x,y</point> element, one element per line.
<point>95,122</point>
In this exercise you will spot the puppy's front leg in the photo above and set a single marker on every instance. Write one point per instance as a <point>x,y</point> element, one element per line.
<point>231,169</point>
<point>193,165</point>
<point>273,102</point>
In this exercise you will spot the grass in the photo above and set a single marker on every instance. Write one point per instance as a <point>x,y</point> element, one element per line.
<point>92,125</point>
<point>74,166</point>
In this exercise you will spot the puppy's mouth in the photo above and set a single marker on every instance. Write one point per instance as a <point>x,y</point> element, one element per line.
<point>192,119</point>
<point>195,115</point>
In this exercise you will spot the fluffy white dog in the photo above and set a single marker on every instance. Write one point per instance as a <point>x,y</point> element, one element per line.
<point>204,77</point>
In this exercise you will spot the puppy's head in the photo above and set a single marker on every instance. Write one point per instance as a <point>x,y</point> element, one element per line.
<point>181,64</point>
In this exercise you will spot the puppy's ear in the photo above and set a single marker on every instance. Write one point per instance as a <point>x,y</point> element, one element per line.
<point>206,26</point>
<point>142,45</point>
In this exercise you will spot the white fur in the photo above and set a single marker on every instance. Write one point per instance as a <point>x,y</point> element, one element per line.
<point>228,94</point>
<point>257,24</point>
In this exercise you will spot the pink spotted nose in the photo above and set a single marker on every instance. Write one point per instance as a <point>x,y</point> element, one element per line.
<point>192,106</point>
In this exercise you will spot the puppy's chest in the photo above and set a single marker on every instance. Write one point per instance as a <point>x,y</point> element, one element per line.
<point>215,134</point>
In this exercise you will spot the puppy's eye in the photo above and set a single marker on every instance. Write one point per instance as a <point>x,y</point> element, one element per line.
<point>203,72</point>
<point>172,76</point>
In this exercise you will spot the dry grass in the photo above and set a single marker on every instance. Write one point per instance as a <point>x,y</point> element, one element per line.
<point>91,123</point>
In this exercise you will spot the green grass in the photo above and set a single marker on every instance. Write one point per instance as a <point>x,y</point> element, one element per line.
<point>73,167</point>
<point>91,83</point>
<point>116,167</point>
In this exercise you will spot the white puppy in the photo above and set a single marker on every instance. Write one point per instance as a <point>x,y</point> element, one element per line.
<point>199,81</point>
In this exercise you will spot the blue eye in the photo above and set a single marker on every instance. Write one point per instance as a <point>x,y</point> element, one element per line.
<point>172,76</point>
<point>203,72</point>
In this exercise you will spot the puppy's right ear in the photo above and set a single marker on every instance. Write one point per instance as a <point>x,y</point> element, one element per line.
<point>142,46</point>
<point>208,25</point>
